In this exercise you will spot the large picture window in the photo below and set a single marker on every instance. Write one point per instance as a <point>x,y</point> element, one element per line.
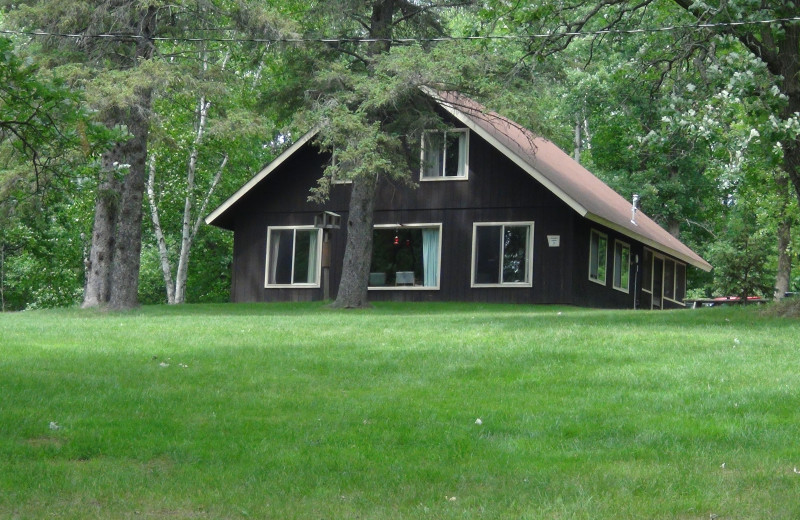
<point>502,254</point>
<point>444,155</point>
<point>406,257</point>
<point>598,257</point>
<point>622,266</point>
<point>293,256</point>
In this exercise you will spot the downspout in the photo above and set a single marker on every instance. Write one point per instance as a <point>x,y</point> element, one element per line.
<point>636,285</point>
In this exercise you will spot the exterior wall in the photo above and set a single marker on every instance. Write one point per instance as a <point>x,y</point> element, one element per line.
<point>592,294</point>
<point>496,191</point>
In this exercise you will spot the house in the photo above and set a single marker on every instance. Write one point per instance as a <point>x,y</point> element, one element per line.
<point>498,215</point>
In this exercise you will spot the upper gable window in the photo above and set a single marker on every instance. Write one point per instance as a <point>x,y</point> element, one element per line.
<point>444,155</point>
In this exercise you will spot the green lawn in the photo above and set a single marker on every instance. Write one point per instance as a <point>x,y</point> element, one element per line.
<point>297,411</point>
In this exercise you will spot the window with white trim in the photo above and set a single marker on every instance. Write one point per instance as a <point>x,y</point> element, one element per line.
<point>598,256</point>
<point>406,256</point>
<point>622,266</point>
<point>502,254</point>
<point>444,154</point>
<point>293,256</point>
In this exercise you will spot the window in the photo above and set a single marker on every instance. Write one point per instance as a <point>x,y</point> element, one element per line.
<point>674,280</point>
<point>598,257</point>
<point>406,257</point>
<point>680,282</point>
<point>293,256</point>
<point>444,155</point>
<point>345,167</point>
<point>647,271</point>
<point>669,279</point>
<point>502,253</point>
<point>622,266</point>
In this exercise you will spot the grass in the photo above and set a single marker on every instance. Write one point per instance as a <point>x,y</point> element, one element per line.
<point>299,412</point>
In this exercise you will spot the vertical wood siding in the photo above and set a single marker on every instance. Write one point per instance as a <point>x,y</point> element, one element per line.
<point>496,191</point>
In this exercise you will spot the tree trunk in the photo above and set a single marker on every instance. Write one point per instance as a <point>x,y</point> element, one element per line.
<point>161,243</point>
<point>674,227</point>
<point>98,283</point>
<point>128,239</point>
<point>353,286</point>
<point>187,236</point>
<point>358,248</point>
<point>2,278</point>
<point>784,274</point>
<point>114,259</point>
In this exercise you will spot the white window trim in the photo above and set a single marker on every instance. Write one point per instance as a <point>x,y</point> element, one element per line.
<point>627,289</point>
<point>318,276</point>
<point>432,225</point>
<point>464,177</point>
<point>528,257</point>
<point>605,272</point>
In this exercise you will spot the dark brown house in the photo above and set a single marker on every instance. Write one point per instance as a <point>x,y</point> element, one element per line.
<point>498,215</point>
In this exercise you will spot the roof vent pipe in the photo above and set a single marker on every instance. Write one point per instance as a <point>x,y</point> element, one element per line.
<point>634,207</point>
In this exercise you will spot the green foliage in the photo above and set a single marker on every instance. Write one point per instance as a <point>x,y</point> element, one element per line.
<point>741,257</point>
<point>47,147</point>
<point>44,243</point>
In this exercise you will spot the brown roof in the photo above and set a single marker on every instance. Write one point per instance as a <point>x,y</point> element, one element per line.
<point>564,176</point>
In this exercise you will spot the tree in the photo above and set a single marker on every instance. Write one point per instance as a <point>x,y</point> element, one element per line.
<point>720,98</point>
<point>120,85</point>
<point>46,137</point>
<point>367,104</point>
<point>741,257</point>
<point>768,31</point>
<point>116,61</point>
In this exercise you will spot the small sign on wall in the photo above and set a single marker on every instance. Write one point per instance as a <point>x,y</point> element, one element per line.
<point>554,240</point>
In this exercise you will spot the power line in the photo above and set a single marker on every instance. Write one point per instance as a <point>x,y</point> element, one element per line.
<point>644,30</point>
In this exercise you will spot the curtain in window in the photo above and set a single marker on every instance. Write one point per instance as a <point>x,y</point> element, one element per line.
<point>462,154</point>
<point>430,256</point>
<point>434,154</point>
<point>275,243</point>
<point>312,257</point>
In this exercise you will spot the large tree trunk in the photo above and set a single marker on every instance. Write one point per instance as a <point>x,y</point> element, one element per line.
<point>353,286</point>
<point>784,274</point>
<point>113,276</point>
<point>128,240</point>
<point>98,274</point>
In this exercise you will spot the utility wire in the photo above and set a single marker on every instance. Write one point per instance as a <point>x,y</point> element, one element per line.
<point>645,30</point>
